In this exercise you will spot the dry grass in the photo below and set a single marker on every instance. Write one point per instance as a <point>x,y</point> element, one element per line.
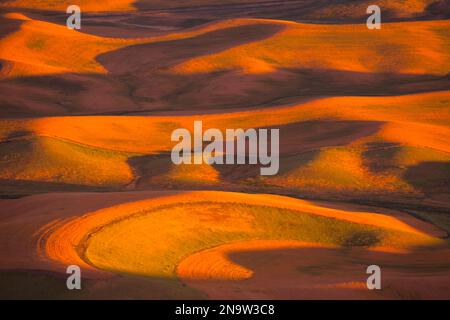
<point>403,149</point>
<point>150,237</point>
<point>85,5</point>
<point>399,9</point>
<point>40,48</point>
<point>409,48</point>
<point>418,123</point>
<point>44,48</point>
<point>50,160</point>
<point>365,170</point>
<point>425,113</point>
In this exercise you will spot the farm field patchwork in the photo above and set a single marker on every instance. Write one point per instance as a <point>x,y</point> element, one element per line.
<point>86,140</point>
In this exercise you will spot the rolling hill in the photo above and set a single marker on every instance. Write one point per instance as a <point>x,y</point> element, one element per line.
<point>86,176</point>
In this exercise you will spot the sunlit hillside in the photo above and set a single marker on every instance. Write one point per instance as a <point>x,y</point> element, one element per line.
<point>87,177</point>
<point>311,9</point>
<point>409,48</point>
<point>364,149</point>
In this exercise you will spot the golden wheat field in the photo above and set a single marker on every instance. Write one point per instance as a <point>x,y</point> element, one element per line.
<point>88,178</point>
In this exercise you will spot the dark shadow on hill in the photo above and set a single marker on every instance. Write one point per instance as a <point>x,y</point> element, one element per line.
<point>8,26</point>
<point>159,55</point>
<point>439,9</point>
<point>144,70</point>
<point>300,143</point>
<point>313,11</point>
<point>329,273</point>
<point>18,134</point>
<point>46,285</point>
<point>151,19</point>
<point>154,91</point>
<point>379,156</point>
<point>10,188</point>
<point>148,169</point>
<point>139,82</point>
<point>430,177</point>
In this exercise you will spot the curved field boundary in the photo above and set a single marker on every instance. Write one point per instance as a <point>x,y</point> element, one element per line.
<point>68,243</point>
<point>215,263</point>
